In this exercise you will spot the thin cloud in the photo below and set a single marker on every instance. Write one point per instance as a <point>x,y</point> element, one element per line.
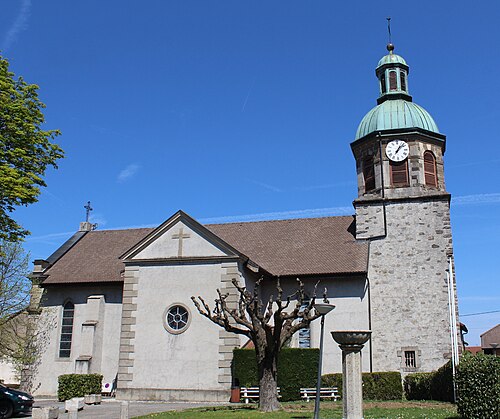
<point>480,298</point>
<point>128,173</point>
<point>266,186</point>
<point>486,198</point>
<point>46,237</point>
<point>326,186</point>
<point>19,25</point>
<point>283,215</point>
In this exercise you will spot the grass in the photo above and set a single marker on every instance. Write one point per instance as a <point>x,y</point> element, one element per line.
<point>330,410</point>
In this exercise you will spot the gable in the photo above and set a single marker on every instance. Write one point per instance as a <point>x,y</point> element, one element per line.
<point>180,241</point>
<point>180,237</point>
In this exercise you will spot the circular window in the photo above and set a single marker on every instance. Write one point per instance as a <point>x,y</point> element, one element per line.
<point>176,318</point>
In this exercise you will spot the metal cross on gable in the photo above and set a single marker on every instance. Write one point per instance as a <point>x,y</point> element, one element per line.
<point>88,208</point>
<point>180,236</point>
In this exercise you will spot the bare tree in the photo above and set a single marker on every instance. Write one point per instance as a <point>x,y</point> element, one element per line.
<point>269,325</point>
<point>14,283</point>
<point>20,332</point>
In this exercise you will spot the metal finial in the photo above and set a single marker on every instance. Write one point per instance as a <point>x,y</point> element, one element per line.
<point>390,46</point>
<point>88,208</point>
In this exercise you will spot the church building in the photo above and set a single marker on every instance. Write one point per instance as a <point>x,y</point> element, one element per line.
<point>118,302</point>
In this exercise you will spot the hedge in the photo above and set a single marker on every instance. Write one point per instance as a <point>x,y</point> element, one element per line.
<point>436,385</point>
<point>296,368</point>
<point>78,385</point>
<point>376,385</point>
<point>478,386</point>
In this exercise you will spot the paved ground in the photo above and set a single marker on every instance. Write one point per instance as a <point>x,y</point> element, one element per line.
<point>110,408</point>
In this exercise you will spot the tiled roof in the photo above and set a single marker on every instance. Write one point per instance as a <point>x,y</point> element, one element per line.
<point>94,258</point>
<point>308,246</point>
<point>304,246</point>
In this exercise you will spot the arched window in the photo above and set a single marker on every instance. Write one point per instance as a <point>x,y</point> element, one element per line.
<point>369,174</point>
<point>430,169</point>
<point>399,173</point>
<point>66,330</point>
<point>403,80</point>
<point>383,86</point>
<point>393,82</point>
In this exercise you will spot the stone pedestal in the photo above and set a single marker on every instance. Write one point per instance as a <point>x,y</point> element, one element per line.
<point>351,343</point>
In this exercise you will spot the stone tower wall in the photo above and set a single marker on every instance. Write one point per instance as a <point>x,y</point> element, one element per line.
<point>408,285</point>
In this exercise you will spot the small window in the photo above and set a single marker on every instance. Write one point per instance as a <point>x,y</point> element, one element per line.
<point>66,330</point>
<point>176,318</point>
<point>393,82</point>
<point>410,359</point>
<point>383,86</point>
<point>369,174</point>
<point>399,173</point>
<point>430,169</point>
<point>403,80</point>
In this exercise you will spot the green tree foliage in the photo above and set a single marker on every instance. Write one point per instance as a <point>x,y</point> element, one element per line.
<point>25,149</point>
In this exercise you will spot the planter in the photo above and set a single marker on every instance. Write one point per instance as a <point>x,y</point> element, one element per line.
<point>51,412</point>
<point>93,399</point>
<point>74,404</point>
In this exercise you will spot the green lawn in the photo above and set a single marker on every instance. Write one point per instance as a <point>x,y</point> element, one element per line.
<point>330,410</point>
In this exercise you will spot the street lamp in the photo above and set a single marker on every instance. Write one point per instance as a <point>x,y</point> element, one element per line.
<point>323,309</point>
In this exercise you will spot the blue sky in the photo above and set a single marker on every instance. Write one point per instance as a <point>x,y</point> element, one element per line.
<point>239,110</point>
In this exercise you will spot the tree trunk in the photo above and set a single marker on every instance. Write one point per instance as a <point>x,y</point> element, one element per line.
<point>268,383</point>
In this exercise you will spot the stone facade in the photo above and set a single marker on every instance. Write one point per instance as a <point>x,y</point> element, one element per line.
<point>408,286</point>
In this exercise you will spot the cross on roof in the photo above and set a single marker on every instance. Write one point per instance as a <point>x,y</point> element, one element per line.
<point>180,236</point>
<point>88,208</point>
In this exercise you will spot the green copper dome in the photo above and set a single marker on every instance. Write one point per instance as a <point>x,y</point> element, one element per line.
<point>395,109</point>
<point>391,59</point>
<point>393,114</point>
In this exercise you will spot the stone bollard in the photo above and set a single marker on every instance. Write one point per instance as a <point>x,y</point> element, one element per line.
<point>351,343</point>
<point>51,412</point>
<point>124,410</point>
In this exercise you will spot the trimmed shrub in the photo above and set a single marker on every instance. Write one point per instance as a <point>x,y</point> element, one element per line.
<point>376,385</point>
<point>296,368</point>
<point>418,386</point>
<point>478,387</point>
<point>78,385</point>
<point>436,385</point>
<point>382,386</point>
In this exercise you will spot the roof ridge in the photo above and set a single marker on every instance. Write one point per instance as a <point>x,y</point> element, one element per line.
<point>280,220</point>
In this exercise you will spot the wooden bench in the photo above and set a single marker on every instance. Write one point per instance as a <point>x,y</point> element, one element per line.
<point>251,393</point>
<point>324,392</point>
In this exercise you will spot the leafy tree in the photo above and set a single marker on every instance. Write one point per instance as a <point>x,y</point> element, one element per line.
<point>269,325</point>
<point>25,149</point>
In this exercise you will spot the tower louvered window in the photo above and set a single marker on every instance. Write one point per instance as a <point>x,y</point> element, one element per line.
<point>369,174</point>
<point>430,169</point>
<point>403,80</point>
<point>393,82</point>
<point>399,173</point>
<point>382,84</point>
<point>66,330</point>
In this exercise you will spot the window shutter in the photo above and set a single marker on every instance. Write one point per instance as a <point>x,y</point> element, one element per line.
<point>369,174</point>
<point>403,80</point>
<point>399,173</point>
<point>393,83</point>
<point>430,169</point>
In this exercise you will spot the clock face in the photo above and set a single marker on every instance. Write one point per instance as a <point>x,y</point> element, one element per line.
<point>397,150</point>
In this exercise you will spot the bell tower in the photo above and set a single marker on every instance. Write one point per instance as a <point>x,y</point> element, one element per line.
<point>402,208</point>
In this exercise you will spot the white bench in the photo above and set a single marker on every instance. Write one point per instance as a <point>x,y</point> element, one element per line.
<point>252,393</point>
<point>324,392</point>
